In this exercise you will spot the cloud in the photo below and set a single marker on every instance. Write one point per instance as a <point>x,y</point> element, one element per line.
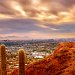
<point>35,35</point>
<point>27,25</point>
<point>39,18</point>
<point>33,29</point>
<point>50,11</point>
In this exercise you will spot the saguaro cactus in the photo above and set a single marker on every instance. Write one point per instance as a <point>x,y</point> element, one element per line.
<point>3,60</point>
<point>21,62</point>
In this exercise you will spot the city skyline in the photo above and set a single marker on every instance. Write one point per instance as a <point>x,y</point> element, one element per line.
<point>37,19</point>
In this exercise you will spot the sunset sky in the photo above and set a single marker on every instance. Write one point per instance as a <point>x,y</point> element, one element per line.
<point>37,19</point>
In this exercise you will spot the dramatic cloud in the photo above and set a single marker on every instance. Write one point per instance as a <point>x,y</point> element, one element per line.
<point>28,25</point>
<point>32,29</point>
<point>25,19</point>
<point>51,11</point>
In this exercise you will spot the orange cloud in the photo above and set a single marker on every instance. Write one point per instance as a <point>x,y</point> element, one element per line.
<point>37,35</point>
<point>50,11</point>
<point>3,16</point>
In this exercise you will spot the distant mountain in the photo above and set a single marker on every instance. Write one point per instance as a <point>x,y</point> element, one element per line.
<point>20,42</point>
<point>65,40</point>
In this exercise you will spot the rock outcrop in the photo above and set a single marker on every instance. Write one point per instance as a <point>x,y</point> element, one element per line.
<point>60,62</point>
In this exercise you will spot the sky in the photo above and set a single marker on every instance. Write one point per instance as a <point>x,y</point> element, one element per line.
<point>37,19</point>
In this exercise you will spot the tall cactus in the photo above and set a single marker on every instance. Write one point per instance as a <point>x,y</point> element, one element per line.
<point>3,60</point>
<point>21,62</point>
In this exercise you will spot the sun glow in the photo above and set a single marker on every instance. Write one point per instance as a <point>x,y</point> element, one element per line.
<point>17,7</point>
<point>2,17</point>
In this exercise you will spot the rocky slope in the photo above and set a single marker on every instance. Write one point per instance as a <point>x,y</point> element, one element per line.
<point>61,62</point>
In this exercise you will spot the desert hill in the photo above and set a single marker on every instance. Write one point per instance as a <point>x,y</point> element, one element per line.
<point>60,62</point>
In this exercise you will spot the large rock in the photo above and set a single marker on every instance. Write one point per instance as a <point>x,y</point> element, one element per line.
<point>60,62</point>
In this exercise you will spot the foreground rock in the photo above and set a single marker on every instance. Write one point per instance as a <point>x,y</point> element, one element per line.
<point>61,62</point>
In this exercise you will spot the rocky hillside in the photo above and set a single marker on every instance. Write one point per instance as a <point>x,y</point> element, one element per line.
<point>61,62</point>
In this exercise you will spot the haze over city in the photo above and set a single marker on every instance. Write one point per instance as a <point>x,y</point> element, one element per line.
<point>37,19</point>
